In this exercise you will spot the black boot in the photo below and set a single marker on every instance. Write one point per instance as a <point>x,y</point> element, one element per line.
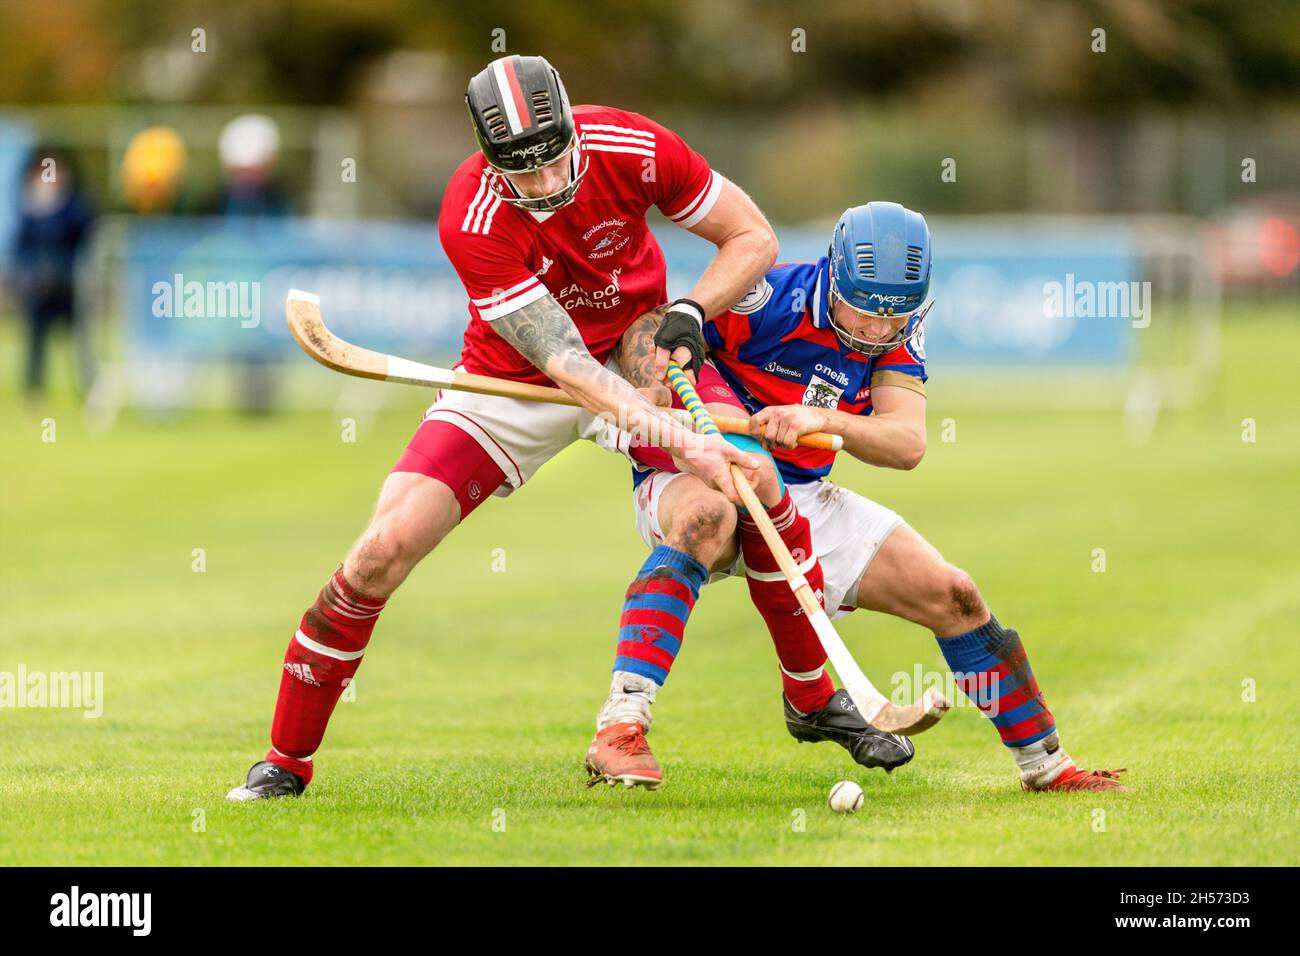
<point>266,780</point>
<point>841,722</point>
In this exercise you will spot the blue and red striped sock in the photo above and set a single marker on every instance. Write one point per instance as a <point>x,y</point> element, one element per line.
<point>990,665</point>
<point>655,610</point>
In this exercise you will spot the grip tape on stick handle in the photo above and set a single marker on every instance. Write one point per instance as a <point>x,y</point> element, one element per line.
<point>705,424</point>
<point>869,700</point>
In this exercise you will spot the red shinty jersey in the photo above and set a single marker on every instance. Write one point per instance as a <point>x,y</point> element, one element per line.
<point>596,255</point>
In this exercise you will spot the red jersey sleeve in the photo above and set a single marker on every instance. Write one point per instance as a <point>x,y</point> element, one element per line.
<point>490,263</point>
<point>680,181</point>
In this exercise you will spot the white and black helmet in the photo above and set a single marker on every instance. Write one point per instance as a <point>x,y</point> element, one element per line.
<point>523,121</point>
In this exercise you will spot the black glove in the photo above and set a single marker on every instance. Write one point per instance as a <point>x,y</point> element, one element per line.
<point>683,325</point>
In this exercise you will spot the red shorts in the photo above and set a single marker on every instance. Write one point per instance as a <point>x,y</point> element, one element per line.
<point>443,451</point>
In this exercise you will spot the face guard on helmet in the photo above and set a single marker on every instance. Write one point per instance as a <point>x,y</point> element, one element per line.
<point>523,122</point>
<point>880,266</point>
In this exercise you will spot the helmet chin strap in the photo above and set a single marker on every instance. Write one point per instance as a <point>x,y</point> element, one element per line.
<point>866,346</point>
<point>552,201</point>
<point>869,347</point>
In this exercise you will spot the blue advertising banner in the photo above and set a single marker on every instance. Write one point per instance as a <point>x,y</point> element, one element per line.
<point>1005,297</point>
<point>215,289</point>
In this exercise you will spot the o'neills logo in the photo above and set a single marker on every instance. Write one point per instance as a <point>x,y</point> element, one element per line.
<point>835,375</point>
<point>75,908</point>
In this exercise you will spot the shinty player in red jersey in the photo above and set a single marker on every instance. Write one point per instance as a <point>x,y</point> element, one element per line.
<point>546,228</point>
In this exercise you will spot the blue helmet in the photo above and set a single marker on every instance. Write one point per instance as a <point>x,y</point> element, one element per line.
<point>880,265</point>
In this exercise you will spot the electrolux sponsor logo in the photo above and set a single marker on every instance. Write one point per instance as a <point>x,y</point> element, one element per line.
<point>785,371</point>
<point>75,909</point>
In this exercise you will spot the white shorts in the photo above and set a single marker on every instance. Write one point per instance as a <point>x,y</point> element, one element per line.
<point>519,436</point>
<point>847,531</point>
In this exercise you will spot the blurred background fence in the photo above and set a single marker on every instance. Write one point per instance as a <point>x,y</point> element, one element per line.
<point>1080,147</point>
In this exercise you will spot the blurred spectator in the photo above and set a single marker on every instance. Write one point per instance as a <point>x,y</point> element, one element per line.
<point>249,147</point>
<point>54,224</point>
<point>153,171</point>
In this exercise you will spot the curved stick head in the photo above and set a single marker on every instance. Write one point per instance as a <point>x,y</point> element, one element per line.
<point>914,718</point>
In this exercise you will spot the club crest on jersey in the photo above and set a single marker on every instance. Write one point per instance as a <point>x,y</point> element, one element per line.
<point>754,299</point>
<point>917,345</point>
<point>822,394</point>
<point>608,237</point>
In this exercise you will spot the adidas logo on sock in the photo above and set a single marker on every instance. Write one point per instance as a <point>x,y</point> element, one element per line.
<point>302,672</point>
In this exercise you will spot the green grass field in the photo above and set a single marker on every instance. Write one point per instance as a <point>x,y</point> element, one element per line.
<point>475,705</point>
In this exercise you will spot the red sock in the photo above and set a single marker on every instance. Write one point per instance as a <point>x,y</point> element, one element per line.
<point>803,661</point>
<point>321,660</point>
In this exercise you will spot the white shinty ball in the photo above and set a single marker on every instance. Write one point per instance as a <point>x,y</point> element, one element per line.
<point>846,797</point>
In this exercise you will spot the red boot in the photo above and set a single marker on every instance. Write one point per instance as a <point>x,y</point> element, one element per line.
<point>1072,778</point>
<point>620,752</point>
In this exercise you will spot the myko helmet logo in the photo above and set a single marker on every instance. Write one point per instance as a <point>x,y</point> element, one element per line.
<point>535,150</point>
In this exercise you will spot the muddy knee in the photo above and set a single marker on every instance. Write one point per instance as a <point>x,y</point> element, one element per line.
<point>962,601</point>
<point>380,560</point>
<point>415,512</point>
<point>702,526</point>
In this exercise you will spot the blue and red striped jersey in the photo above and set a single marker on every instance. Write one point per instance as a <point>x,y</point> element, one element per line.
<point>776,347</point>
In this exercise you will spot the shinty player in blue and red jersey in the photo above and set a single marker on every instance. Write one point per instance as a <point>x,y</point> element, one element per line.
<point>546,227</point>
<point>837,346</point>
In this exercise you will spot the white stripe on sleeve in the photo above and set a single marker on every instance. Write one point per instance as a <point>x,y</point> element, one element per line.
<point>700,206</point>
<point>506,306</point>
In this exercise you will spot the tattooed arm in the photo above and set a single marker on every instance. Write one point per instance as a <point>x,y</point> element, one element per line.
<point>636,350</point>
<point>544,334</point>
